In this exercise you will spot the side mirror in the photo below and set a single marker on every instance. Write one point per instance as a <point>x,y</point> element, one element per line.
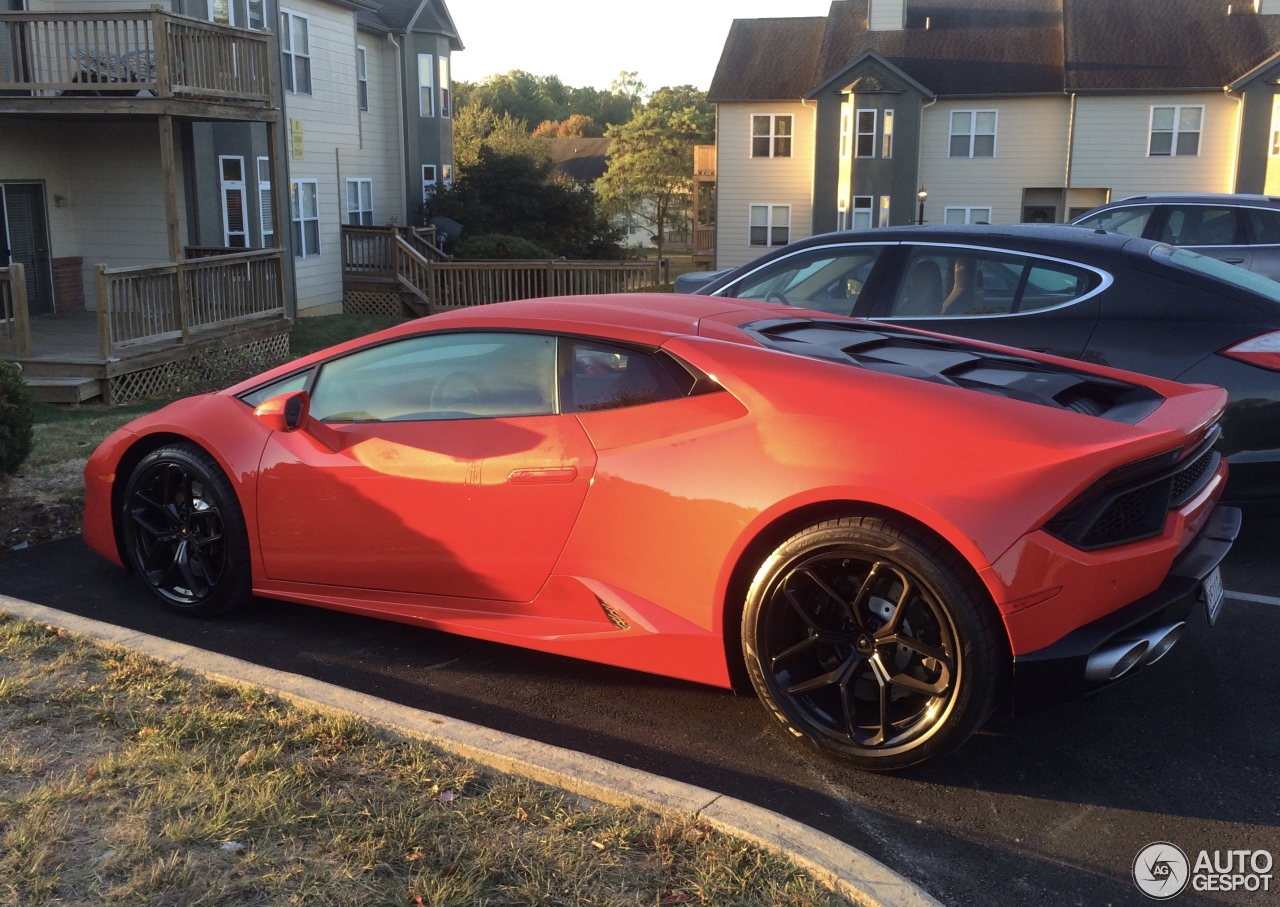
<point>287,412</point>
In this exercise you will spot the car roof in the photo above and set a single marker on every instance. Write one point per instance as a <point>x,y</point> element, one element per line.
<point>1207,197</point>
<point>1029,237</point>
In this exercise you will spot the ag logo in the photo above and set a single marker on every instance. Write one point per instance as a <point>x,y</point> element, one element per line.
<point>1161,870</point>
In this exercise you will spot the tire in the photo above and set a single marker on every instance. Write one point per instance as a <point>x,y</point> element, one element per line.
<point>184,533</point>
<point>873,641</point>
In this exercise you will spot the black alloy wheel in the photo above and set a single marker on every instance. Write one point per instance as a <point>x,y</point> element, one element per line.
<point>184,533</point>
<point>873,641</point>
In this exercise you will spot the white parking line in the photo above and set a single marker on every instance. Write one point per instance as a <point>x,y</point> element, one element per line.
<point>1248,597</point>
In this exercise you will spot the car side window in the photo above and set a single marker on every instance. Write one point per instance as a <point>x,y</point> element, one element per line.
<point>470,375</point>
<point>604,376</point>
<point>1199,225</point>
<point>1129,221</point>
<point>957,283</point>
<point>828,279</point>
<point>1264,226</point>
<point>287,385</point>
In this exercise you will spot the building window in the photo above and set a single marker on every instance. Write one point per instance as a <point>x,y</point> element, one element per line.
<point>444,86</point>
<point>884,208</point>
<point>1175,131</point>
<point>770,225</point>
<point>842,215</point>
<point>862,212</point>
<point>865,145</point>
<point>1275,128</point>
<point>265,203</point>
<point>446,175</point>
<point>306,218</point>
<point>973,133</point>
<point>886,143</point>
<point>257,15</point>
<point>846,128</point>
<point>771,135</point>
<point>428,181</point>
<point>362,77</point>
<point>426,87</point>
<point>360,202</point>
<point>235,226</point>
<point>963,215</point>
<point>295,45</point>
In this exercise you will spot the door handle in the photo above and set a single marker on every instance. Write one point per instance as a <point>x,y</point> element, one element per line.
<point>1234,261</point>
<point>554,475</point>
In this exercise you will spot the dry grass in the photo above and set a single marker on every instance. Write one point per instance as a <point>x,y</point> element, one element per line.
<point>125,780</point>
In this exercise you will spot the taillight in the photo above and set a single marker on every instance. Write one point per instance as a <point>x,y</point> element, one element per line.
<point>1263,350</point>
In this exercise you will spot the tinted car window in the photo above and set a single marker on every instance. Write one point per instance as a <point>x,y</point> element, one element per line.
<point>1263,225</point>
<point>828,279</point>
<point>952,282</point>
<point>1202,264</point>
<point>1129,221</point>
<point>289,385</point>
<point>440,376</point>
<point>604,376</point>
<point>1199,225</point>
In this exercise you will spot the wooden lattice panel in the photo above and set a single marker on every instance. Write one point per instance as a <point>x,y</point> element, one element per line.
<point>206,371</point>
<point>362,302</point>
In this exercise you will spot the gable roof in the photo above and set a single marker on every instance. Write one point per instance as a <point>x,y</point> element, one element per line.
<point>584,160</point>
<point>959,48</point>
<point>421,16</point>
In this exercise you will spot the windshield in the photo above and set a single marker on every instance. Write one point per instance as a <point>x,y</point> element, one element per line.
<point>1220,270</point>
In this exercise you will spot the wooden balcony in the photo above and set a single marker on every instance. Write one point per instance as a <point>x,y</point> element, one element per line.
<point>704,162</point>
<point>146,62</point>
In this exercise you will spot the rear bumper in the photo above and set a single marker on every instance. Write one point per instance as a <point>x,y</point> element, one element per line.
<point>1056,673</point>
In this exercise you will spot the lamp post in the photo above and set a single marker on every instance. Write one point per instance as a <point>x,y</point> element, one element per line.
<point>921,195</point>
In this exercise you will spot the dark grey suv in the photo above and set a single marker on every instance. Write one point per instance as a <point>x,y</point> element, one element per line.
<point>1242,230</point>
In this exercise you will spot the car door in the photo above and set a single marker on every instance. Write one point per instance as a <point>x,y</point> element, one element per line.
<point>1013,298</point>
<point>1213,230</point>
<point>1262,230</point>
<point>441,465</point>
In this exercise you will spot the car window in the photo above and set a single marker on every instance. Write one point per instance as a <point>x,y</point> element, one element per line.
<point>604,376</point>
<point>1263,225</point>
<point>955,283</point>
<point>287,385</point>
<point>440,376</point>
<point>828,279</point>
<point>1199,225</point>
<point>1129,221</point>
<point>1203,264</point>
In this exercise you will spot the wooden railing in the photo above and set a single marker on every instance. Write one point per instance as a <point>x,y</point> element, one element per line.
<point>704,239</point>
<point>125,53</point>
<point>173,301</point>
<point>704,160</point>
<point>15,325</point>
<point>456,284</point>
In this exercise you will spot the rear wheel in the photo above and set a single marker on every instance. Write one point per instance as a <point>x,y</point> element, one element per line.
<point>870,639</point>
<point>184,533</point>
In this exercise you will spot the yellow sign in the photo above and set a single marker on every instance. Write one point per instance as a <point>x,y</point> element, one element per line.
<point>295,139</point>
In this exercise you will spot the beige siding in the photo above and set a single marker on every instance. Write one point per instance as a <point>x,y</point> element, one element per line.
<point>1030,153</point>
<point>742,181</point>
<point>108,173</point>
<point>331,135</point>
<point>1113,133</point>
<point>377,156</point>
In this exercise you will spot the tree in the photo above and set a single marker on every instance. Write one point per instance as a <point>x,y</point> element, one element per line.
<point>628,85</point>
<point>650,171</point>
<point>480,127</point>
<point>577,125</point>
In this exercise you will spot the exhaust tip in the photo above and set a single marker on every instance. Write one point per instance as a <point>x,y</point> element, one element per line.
<point>1115,661</point>
<point>1162,640</point>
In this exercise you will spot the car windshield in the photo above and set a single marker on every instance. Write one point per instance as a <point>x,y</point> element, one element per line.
<point>1211,267</point>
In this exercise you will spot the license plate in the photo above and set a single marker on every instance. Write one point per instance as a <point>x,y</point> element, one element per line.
<point>1211,594</point>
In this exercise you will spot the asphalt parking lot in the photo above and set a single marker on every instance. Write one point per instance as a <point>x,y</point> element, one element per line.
<point>1046,809</point>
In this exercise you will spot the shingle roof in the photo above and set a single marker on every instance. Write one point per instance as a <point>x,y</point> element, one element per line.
<point>993,47</point>
<point>396,15</point>
<point>768,59</point>
<point>582,160</point>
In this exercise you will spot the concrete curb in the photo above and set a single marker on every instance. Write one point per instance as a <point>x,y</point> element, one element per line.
<point>857,876</point>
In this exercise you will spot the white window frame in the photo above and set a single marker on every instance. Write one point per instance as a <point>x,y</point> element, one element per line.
<point>265,203</point>
<point>842,214</point>
<point>257,22</point>
<point>429,184</point>
<point>886,138</point>
<point>288,51</point>
<point>300,248</point>
<point>862,204</point>
<point>769,226</point>
<point>224,187</point>
<point>968,213</point>
<point>1175,132</point>
<point>362,77</point>
<point>773,135</point>
<point>446,95</point>
<point>884,211</point>
<point>427,89</point>
<point>363,215</point>
<point>231,14</point>
<point>859,133</point>
<point>446,175</point>
<point>973,131</point>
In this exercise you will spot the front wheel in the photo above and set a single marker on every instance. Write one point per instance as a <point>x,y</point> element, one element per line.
<point>872,640</point>
<point>184,533</point>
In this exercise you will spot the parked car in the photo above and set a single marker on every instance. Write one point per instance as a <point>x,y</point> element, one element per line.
<point>1241,230</point>
<point>875,525</point>
<point>1102,297</point>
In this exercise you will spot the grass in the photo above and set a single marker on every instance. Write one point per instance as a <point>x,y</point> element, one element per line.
<point>310,335</point>
<point>126,780</point>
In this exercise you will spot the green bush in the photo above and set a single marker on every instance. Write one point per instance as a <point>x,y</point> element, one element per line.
<point>17,413</point>
<point>488,246</point>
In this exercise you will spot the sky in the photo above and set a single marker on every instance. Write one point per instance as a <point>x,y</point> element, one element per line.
<point>588,42</point>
